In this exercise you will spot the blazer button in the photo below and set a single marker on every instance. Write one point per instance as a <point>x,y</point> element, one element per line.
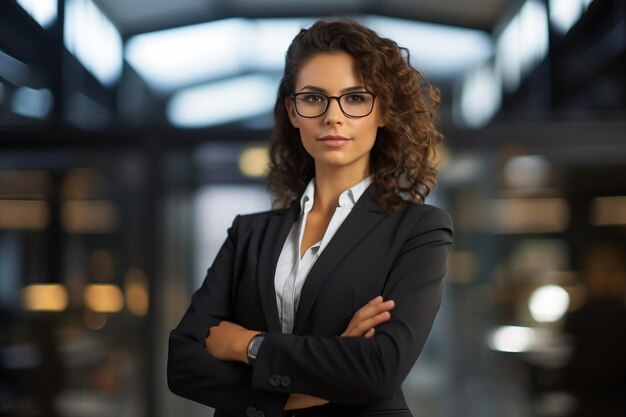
<point>260,413</point>
<point>274,380</point>
<point>285,381</point>
<point>251,412</point>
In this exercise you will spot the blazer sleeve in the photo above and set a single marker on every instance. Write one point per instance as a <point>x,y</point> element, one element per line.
<point>356,370</point>
<point>192,372</point>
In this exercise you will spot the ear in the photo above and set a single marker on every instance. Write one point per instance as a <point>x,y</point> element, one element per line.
<point>381,115</point>
<point>381,121</point>
<point>291,112</point>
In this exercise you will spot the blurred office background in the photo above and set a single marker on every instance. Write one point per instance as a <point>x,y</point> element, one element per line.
<point>132,132</point>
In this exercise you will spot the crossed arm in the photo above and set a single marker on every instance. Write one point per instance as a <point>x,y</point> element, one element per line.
<point>364,366</point>
<point>229,341</point>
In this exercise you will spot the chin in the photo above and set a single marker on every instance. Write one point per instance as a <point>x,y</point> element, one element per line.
<point>332,160</point>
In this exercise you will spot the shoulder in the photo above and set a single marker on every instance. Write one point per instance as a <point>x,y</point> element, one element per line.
<point>418,219</point>
<point>428,215</point>
<point>410,213</point>
<point>261,215</point>
<point>252,220</point>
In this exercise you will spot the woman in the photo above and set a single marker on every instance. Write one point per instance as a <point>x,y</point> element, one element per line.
<point>321,308</point>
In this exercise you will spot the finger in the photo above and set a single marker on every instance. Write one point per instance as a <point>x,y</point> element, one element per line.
<point>375,300</point>
<point>376,307</point>
<point>369,333</point>
<point>375,320</point>
<point>363,326</point>
<point>359,320</point>
<point>370,304</point>
<point>368,310</point>
<point>358,324</point>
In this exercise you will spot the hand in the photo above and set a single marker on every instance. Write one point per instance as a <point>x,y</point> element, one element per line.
<point>229,341</point>
<point>375,312</point>
<point>298,401</point>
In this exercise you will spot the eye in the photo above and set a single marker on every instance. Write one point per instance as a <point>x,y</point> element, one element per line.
<point>311,98</point>
<point>356,98</point>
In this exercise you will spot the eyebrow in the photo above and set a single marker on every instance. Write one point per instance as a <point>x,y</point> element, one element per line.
<point>345,90</point>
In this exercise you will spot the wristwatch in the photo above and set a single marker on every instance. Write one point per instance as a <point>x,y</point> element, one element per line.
<point>253,347</point>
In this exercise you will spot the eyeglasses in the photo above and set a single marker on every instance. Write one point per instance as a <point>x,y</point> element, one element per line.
<point>355,104</point>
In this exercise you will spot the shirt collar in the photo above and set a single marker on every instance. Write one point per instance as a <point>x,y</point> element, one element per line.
<point>308,196</point>
<point>347,198</point>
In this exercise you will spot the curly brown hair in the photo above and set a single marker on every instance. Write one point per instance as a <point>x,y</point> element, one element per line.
<point>401,160</point>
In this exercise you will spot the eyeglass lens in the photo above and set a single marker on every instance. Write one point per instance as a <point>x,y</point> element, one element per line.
<point>357,104</point>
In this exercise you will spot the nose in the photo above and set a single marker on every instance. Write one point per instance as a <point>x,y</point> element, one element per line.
<point>333,113</point>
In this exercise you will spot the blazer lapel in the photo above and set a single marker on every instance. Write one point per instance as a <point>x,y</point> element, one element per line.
<point>276,233</point>
<point>365,214</point>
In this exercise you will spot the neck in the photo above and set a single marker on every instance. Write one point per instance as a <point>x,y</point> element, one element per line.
<point>330,183</point>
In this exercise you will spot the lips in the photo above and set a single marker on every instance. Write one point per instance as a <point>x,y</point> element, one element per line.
<point>334,141</point>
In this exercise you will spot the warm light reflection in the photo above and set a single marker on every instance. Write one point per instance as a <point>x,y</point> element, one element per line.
<point>81,184</point>
<point>608,211</point>
<point>532,215</point>
<point>137,297</point>
<point>104,298</point>
<point>24,214</point>
<point>89,216</point>
<point>548,303</point>
<point>254,161</point>
<point>45,297</point>
<point>511,339</point>
<point>24,184</point>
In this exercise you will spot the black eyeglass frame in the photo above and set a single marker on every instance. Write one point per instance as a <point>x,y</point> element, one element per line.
<point>338,98</point>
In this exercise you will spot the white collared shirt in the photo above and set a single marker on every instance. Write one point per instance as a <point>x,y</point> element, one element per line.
<point>291,270</point>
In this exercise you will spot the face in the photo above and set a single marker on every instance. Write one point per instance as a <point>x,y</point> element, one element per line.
<point>334,140</point>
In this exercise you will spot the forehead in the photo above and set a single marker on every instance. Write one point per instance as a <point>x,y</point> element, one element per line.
<point>329,70</point>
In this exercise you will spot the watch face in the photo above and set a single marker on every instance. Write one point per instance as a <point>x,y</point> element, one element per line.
<point>255,344</point>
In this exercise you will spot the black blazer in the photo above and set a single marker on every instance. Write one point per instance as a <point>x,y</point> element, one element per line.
<point>402,257</point>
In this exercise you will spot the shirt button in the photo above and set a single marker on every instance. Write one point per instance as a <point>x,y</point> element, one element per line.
<point>274,380</point>
<point>285,381</point>
<point>251,412</point>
